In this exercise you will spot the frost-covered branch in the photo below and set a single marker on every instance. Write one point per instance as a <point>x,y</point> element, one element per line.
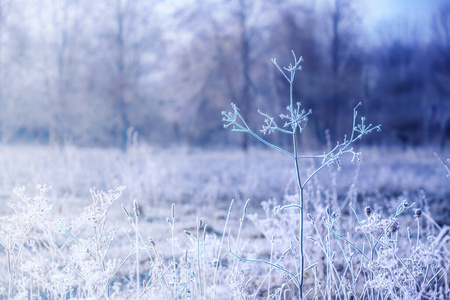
<point>237,123</point>
<point>344,147</point>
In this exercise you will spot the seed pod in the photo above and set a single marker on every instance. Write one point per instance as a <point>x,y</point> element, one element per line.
<point>136,208</point>
<point>368,210</point>
<point>418,212</point>
<point>394,227</point>
<point>246,206</point>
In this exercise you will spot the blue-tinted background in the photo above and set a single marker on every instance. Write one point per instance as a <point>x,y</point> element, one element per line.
<point>92,73</point>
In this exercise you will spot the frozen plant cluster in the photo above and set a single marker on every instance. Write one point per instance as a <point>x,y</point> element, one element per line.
<point>40,262</point>
<point>57,258</point>
<point>44,255</point>
<point>356,253</point>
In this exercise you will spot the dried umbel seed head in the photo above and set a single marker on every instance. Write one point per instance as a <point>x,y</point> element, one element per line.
<point>368,210</point>
<point>418,212</point>
<point>394,227</point>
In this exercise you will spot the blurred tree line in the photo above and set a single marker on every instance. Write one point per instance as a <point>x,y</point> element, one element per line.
<point>93,72</point>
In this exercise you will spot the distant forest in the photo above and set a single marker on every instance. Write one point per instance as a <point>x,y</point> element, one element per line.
<point>97,73</point>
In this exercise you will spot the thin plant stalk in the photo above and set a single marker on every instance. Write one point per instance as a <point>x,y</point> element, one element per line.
<point>138,275</point>
<point>220,249</point>
<point>172,226</point>
<point>418,231</point>
<point>301,203</point>
<point>199,274</point>
<point>270,260</point>
<point>241,221</point>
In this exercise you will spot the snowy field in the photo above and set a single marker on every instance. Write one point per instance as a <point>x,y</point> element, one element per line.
<point>69,239</point>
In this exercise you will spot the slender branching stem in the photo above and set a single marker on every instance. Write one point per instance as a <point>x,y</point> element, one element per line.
<point>295,122</point>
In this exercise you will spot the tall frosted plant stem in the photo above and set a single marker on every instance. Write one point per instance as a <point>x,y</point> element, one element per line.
<point>299,181</point>
<point>294,123</point>
<point>301,200</point>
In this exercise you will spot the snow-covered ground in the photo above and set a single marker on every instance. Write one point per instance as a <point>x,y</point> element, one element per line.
<point>80,243</point>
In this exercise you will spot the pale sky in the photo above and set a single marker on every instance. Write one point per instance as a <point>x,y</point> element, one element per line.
<point>417,9</point>
<point>416,12</point>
